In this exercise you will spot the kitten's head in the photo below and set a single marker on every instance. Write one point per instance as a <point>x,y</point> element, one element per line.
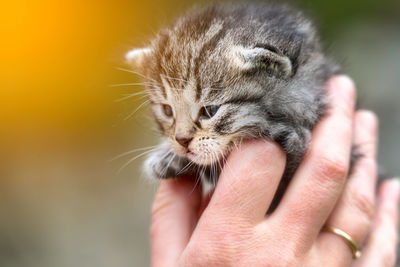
<point>216,76</point>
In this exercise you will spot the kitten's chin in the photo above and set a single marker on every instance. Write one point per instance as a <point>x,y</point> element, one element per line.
<point>202,159</point>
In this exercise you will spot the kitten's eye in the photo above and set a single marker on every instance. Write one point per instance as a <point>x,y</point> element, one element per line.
<point>209,111</point>
<point>167,110</point>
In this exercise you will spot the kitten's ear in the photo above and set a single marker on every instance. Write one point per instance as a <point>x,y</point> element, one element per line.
<point>136,56</point>
<point>263,56</point>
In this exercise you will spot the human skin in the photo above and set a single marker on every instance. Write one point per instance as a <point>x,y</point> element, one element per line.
<point>228,227</point>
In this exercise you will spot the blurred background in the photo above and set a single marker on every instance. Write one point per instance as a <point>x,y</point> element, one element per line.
<point>62,201</point>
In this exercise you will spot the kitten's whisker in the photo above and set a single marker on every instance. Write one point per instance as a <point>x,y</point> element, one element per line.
<point>199,177</point>
<point>137,73</point>
<point>235,144</point>
<point>226,164</point>
<point>200,172</point>
<point>131,84</point>
<point>195,184</point>
<point>219,161</point>
<point>240,141</point>
<point>164,170</point>
<point>151,148</point>
<point>212,169</point>
<point>130,96</point>
<point>141,105</point>
<point>136,93</point>
<point>131,160</point>
<point>186,167</point>
<point>214,173</point>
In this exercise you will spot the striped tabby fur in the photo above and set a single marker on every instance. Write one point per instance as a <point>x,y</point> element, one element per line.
<point>258,68</point>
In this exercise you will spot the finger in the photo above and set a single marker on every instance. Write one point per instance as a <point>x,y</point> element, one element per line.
<point>381,246</point>
<point>355,208</point>
<point>174,216</point>
<point>248,182</point>
<point>319,180</point>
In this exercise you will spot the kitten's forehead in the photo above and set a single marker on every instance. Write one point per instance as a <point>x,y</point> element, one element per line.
<point>183,99</point>
<point>180,90</point>
<point>190,61</point>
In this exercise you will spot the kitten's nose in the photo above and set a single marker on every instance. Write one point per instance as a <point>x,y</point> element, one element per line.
<point>183,141</point>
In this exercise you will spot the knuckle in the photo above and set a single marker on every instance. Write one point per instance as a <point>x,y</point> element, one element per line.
<point>360,196</point>
<point>363,202</point>
<point>331,167</point>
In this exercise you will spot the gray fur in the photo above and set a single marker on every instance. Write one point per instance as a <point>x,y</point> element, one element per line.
<point>261,63</point>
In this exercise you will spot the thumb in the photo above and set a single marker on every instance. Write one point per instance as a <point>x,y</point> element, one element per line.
<point>174,216</point>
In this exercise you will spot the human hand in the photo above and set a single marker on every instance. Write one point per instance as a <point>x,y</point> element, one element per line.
<point>229,228</point>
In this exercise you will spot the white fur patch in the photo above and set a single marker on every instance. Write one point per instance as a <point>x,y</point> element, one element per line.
<point>135,56</point>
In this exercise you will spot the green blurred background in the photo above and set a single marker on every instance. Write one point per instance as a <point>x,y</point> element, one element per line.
<point>62,202</point>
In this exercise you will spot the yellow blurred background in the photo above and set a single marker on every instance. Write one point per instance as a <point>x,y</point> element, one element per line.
<point>62,201</point>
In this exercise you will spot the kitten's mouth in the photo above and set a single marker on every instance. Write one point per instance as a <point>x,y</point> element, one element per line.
<point>201,159</point>
<point>191,154</point>
<point>196,158</point>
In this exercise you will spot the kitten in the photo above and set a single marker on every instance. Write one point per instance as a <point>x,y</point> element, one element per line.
<point>225,73</point>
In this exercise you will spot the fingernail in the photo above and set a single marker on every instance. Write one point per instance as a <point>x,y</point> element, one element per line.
<point>342,85</point>
<point>344,81</point>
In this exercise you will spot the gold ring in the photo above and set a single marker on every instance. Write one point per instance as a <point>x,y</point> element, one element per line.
<point>356,252</point>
